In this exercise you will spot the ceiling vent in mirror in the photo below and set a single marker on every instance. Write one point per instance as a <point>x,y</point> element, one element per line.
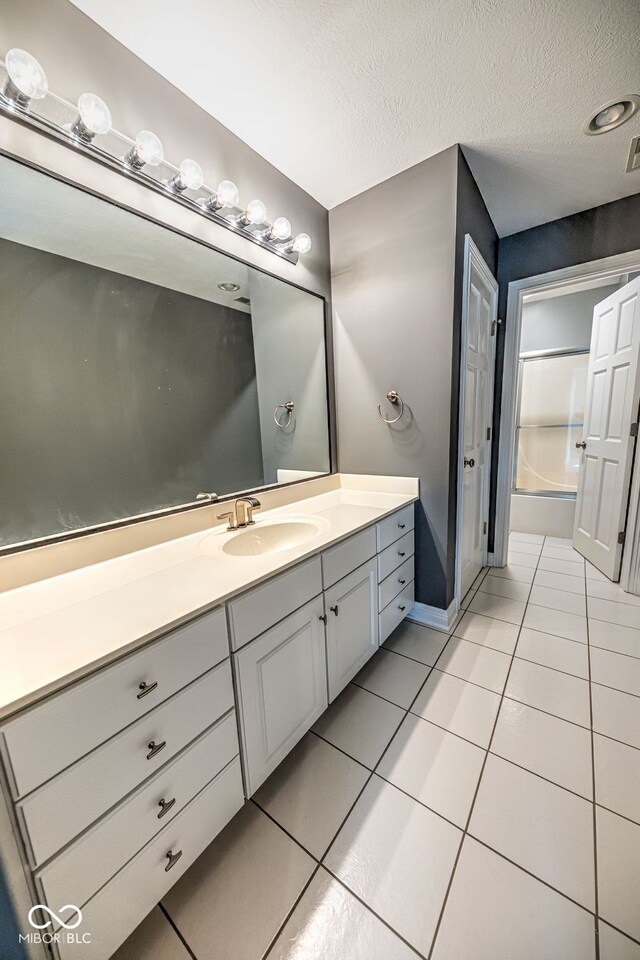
<point>244,300</point>
<point>633,160</point>
<point>611,115</point>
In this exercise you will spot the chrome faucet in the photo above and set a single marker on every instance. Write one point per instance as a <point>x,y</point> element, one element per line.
<point>242,513</point>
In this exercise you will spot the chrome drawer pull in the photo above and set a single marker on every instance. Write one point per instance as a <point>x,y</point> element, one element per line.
<point>334,609</point>
<point>401,608</point>
<point>400,554</point>
<point>401,582</point>
<point>173,859</point>
<point>155,748</point>
<point>146,688</point>
<point>402,525</point>
<point>165,806</point>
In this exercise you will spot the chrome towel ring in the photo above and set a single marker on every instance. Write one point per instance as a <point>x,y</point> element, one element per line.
<point>288,406</point>
<point>392,397</point>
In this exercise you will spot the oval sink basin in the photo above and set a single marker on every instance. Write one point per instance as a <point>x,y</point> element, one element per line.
<point>271,538</point>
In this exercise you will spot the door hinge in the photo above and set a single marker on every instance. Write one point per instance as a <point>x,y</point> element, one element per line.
<point>633,432</point>
<point>494,327</point>
<point>488,433</point>
<point>621,537</point>
<point>484,527</point>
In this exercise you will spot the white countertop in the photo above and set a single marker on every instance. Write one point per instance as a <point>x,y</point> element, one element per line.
<point>57,630</point>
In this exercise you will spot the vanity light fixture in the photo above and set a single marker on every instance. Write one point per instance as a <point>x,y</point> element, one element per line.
<point>93,117</point>
<point>254,215</point>
<point>188,177</point>
<point>25,96</point>
<point>227,195</point>
<point>611,115</point>
<point>147,149</point>
<point>26,80</point>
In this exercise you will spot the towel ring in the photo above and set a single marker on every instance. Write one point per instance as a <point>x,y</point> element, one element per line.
<point>288,406</point>
<point>394,398</point>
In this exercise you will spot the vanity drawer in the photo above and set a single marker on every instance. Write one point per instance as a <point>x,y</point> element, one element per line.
<point>50,737</point>
<point>60,809</point>
<point>392,528</point>
<point>346,556</point>
<point>396,611</point>
<point>261,608</point>
<point>391,558</point>
<point>85,866</point>
<point>117,909</point>
<point>394,583</point>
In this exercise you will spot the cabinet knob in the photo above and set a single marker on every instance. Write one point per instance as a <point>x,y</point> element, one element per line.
<point>469,463</point>
<point>334,609</point>
<point>401,607</point>
<point>401,582</point>
<point>173,859</point>
<point>155,748</point>
<point>401,553</point>
<point>581,445</point>
<point>165,806</point>
<point>402,525</point>
<point>146,688</point>
<point>323,617</point>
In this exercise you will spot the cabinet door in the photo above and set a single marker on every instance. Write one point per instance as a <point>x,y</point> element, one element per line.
<point>352,625</point>
<point>281,681</point>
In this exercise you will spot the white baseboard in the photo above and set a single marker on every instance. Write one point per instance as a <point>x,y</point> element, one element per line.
<point>434,617</point>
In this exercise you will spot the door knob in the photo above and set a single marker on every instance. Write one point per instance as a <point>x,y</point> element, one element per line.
<point>581,444</point>
<point>469,463</point>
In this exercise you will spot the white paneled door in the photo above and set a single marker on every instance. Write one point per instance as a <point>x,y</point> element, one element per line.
<point>607,444</point>
<point>476,405</point>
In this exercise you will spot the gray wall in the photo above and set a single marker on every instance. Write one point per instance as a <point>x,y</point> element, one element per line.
<point>118,396</point>
<point>288,337</point>
<point>560,323</point>
<point>393,262</point>
<point>600,232</point>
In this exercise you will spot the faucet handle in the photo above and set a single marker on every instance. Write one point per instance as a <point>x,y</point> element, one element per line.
<point>231,517</point>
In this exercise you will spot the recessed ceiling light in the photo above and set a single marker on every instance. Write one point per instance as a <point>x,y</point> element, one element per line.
<point>228,287</point>
<point>611,115</point>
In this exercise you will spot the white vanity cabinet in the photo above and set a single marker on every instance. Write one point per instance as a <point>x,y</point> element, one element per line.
<point>287,674</point>
<point>352,625</point>
<point>108,774</point>
<point>281,684</point>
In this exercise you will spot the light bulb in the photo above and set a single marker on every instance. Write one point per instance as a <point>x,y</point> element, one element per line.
<point>188,177</point>
<point>280,229</point>
<point>228,194</point>
<point>256,213</point>
<point>93,117</point>
<point>146,150</point>
<point>301,243</point>
<point>609,115</point>
<point>26,79</point>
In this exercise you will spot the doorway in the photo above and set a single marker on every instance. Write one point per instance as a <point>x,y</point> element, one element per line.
<point>546,481</point>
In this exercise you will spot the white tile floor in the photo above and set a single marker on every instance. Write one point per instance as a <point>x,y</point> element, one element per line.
<point>444,807</point>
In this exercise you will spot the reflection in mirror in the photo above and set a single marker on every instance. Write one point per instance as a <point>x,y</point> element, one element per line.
<point>139,368</point>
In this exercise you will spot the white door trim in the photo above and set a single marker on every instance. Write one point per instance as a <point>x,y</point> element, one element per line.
<point>473,256</point>
<point>554,280</point>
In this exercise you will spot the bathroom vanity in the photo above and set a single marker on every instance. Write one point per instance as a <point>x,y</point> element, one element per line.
<point>145,697</point>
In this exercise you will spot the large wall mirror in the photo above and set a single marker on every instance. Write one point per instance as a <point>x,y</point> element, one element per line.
<point>139,368</point>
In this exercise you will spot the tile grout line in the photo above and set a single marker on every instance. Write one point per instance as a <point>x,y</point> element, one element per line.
<point>175,929</point>
<point>593,788</point>
<point>465,832</point>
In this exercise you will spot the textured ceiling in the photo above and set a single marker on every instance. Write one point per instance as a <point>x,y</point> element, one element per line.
<point>342,94</point>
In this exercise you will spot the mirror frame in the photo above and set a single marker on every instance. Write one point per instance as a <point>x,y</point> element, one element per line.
<point>199,504</point>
